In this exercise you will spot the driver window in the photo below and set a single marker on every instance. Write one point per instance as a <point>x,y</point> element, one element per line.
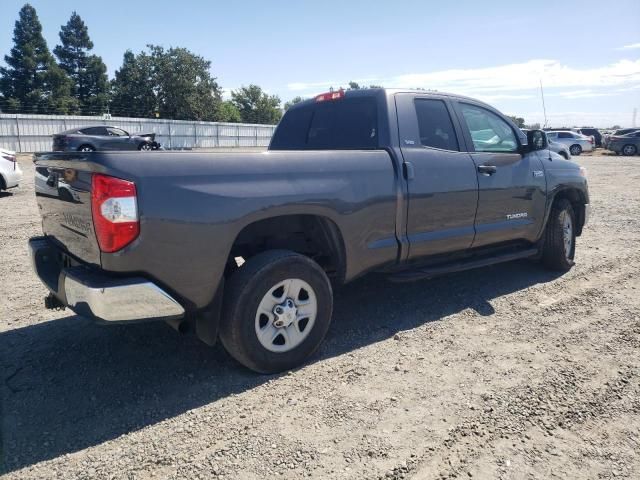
<point>115,132</point>
<point>489,132</point>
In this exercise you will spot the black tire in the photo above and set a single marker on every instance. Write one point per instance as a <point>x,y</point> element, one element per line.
<point>86,148</point>
<point>244,291</point>
<point>575,150</point>
<point>555,255</point>
<point>629,150</point>
<point>145,146</point>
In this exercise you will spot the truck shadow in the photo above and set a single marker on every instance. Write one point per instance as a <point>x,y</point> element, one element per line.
<point>69,384</point>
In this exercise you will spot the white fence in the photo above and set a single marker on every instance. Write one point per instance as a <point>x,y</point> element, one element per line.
<point>32,133</point>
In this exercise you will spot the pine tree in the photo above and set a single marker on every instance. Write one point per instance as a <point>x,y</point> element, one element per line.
<point>87,72</point>
<point>31,82</point>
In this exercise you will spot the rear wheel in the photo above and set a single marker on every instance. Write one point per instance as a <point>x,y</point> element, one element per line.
<point>277,309</point>
<point>560,237</point>
<point>575,150</point>
<point>629,150</point>
<point>86,148</point>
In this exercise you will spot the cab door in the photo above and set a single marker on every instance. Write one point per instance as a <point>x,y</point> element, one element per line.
<point>441,176</point>
<point>511,185</point>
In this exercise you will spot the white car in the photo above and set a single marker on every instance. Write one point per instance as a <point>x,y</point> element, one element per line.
<point>10,173</point>
<point>576,142</point>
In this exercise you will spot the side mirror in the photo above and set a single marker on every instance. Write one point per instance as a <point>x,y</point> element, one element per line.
<point>537,140</point>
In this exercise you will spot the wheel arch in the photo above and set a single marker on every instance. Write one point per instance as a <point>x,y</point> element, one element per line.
<point>578,201</point>
<point>313,235</point>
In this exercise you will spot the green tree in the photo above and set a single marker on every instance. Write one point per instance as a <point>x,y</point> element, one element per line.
<point>185,88</point>
<point>88,72</point>
<point>173,83</point>
<point>228,112</point>
<point>354,86</point>
<point>256,106</point>
<point>519,121</point>
<point>132,91</point>
<point>32,82</point>
<point>292,102</point>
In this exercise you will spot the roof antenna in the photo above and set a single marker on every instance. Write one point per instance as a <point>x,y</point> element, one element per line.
<point>544,108</point>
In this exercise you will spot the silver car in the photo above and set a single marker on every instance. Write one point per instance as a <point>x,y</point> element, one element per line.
<point>576,142</point>
<point>102,137</point>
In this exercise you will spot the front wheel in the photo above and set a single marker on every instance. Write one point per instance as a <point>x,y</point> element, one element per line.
<point>145,147</point>
<point>560,237</point>
<point>276,312</point>
<point>575,150</point>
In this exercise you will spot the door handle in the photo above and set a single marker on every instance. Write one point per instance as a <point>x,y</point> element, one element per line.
<point>487,169</point>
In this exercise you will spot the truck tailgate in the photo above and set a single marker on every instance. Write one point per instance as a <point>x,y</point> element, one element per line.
<point>63,194</point>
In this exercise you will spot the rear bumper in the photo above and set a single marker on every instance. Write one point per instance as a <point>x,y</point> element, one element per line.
<point>91,292</point>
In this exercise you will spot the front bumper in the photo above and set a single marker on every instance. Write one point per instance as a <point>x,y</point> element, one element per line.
<point>91,292</point>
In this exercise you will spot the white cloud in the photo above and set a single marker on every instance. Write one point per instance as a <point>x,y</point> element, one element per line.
<point>507,79</point>
<point>631,46</point>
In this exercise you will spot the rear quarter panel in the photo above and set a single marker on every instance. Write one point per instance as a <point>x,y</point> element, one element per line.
<point>193,205</point>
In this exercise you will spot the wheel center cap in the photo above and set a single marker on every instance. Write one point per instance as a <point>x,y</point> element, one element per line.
<point>285,313</point>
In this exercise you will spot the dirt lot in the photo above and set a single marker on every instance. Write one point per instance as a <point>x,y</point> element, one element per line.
<point>504,372</point>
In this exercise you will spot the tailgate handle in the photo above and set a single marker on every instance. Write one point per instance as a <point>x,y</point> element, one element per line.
<point>487,169</point>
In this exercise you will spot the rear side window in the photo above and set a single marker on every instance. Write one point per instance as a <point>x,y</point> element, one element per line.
<point>99,131</point>
<point>434,123</point>
<point>565,135</point>
<point>489,132</point>
<point>346,124</point>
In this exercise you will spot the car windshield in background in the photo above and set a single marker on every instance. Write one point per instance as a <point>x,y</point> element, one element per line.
<point>349,123</point>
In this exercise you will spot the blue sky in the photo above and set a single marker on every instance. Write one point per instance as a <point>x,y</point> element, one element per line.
<point>586,53</point>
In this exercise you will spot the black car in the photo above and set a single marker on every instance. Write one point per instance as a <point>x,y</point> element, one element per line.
<point>102,137</point>
<point>592,132</point>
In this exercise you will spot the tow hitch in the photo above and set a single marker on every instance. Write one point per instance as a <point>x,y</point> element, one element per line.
<point>52,303</point>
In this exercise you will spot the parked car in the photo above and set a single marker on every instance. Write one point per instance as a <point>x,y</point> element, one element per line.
<point>249,246</point>
<point>576,142</point>
<point>47,184</point>
<point>627,145</point>
<point>102,137</point>
<point>617,133</point>
<point>10,173</point>
<point>591,132</point>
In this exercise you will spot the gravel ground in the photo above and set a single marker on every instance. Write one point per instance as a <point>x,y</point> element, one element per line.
<point>504,372</point>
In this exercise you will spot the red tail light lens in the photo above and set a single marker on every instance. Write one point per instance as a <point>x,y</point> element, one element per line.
<point>114,208</point>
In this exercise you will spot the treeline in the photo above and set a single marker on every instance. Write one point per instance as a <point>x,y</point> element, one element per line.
<point>167,83</point>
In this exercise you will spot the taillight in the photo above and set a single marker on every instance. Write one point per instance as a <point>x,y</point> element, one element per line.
<point>323,97</point>
<point>114,208</point>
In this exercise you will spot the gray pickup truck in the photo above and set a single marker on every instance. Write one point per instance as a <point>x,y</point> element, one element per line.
<point>248,246</point>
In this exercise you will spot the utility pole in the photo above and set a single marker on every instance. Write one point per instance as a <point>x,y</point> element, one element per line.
<point>544,108</point>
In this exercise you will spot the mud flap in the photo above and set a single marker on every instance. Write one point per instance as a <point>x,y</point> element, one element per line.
<point>208,320</point>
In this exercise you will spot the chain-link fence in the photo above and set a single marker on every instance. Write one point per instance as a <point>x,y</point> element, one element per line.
<point>32,133</point>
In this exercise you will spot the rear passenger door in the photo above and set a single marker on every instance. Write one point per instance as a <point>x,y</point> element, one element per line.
<point>442,183</point>
<point>511,185</point>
